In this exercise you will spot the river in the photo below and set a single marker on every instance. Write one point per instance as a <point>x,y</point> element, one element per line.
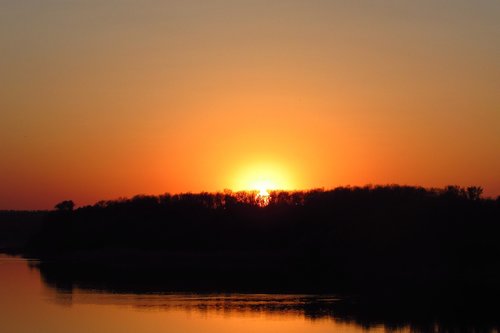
<point>28,304</point>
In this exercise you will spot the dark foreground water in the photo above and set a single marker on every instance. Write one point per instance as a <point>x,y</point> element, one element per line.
<point>28,304</point>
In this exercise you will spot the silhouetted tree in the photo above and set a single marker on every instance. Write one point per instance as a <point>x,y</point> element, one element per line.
<point>65,206</point>
<point>474,192</point>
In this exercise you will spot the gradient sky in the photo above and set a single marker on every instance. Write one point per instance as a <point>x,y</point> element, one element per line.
<point>103,99</point>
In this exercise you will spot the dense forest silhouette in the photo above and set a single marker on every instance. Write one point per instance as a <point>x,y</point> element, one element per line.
<point>354,240</point>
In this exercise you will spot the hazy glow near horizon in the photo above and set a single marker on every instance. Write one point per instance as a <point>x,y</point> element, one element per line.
<point>263,177</point>
<point>104,99</point>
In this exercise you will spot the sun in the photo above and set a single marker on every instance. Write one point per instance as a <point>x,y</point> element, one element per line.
<point>263,192</point>
<point>263,196</point>
<point>263,188</point>
<point>263,178</point>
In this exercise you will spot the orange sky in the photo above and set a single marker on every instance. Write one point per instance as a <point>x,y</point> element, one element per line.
<point>102,99</point>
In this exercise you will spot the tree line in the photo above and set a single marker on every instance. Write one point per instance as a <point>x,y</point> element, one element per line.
<point>349,238</point>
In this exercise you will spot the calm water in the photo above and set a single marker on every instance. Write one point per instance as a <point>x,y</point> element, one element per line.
<point>27,304</point>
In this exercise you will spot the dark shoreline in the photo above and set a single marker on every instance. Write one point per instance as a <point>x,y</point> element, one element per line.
<point>17,229</point>
<point>355,240</point>
<point>407,250</point>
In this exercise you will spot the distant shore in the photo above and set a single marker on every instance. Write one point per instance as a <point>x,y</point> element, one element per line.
<point>17,228</point>
<point>361,240</point>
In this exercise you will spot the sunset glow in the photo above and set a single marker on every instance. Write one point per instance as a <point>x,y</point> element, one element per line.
<point>263,178</point>
<point>102,100</point>
<point>334,161</point>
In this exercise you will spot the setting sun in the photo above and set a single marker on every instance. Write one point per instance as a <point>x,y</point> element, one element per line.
<point>263,178</point>
<point>262,196</point>
<point>263,190</point>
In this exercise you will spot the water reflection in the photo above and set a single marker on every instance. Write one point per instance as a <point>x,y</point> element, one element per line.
<point>99,308</point>
<point>230,304</point>
<point>311,308</point>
